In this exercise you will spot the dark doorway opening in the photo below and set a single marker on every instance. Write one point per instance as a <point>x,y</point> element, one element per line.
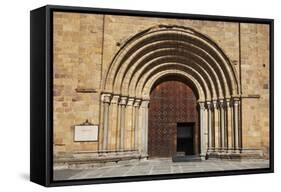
<point>185,138</point>
<point>172,100</point>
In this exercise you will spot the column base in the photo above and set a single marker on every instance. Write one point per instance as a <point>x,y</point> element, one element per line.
<point>203,156</point>
<point>217,155</point>
<point>210,150</point>
<point>144,156</point>
<point>215,151</point>
<point>234,154</point>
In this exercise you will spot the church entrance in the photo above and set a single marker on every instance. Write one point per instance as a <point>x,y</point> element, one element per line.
<point>185,138</point>
<point>173,126</point>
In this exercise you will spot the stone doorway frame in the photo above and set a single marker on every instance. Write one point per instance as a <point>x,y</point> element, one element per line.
<point>172,50</point>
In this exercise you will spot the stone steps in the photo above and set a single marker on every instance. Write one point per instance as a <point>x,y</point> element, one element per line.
<point>186,158</point>
<point>77,160</point>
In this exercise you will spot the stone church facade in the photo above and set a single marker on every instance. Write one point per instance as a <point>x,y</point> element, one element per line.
<point>107,70</point>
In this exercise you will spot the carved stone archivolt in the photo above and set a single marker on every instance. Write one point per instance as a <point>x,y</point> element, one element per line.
<point>180,51</point>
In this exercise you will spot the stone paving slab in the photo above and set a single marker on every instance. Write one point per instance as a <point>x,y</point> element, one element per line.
<point>158,166</point>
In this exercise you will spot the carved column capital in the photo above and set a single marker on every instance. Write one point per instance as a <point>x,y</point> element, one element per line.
<point>236,101</point>
<point>115,99</point>
<point>137,102</point>
<point>228,102</point>
<point>123,100</point>
<point>202,105</point>
<point>130,101</point>
<point>144,103</point>
<point>215,104</point>
<point>106,97</point>
<point>221,103</point>
<point>209,105</point>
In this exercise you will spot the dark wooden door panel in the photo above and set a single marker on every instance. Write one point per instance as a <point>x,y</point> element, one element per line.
<point>171,102</point>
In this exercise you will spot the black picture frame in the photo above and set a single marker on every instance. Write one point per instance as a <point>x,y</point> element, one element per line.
<point>41,95</point>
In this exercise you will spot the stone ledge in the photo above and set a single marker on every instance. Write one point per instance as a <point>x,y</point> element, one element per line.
<point>186,158</point>
<point>82,160</point>
<point>85,90</point>
<point>244,154</point>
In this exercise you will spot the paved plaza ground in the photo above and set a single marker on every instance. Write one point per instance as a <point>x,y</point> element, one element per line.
<point>158,166</point>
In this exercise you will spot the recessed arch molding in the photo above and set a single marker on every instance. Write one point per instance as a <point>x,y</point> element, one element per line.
<point>161,51</point>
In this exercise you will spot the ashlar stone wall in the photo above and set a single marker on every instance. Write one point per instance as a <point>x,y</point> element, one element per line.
<point>85,45</point>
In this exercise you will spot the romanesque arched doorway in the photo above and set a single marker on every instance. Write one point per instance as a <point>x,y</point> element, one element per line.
<point>169,50</point>
<point>173,126</point>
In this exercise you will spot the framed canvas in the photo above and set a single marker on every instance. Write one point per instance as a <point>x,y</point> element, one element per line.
<point>122,95</point>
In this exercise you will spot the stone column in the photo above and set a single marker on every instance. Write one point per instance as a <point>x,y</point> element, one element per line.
<point>129,124</point>
<point>202,131</point>
<point>229,126</point>
<point>210,127</point>
<point>118,136</point>
<point>144,115</point>
<point>222,125</point>
<point>216,126</point>
<point>236,124</point>
<point>106,101</point>
<point>113,127</point>
<point>136,124</point>
<point>123,102</point>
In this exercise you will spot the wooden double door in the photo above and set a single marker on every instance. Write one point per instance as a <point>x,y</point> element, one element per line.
<point>173,119</point>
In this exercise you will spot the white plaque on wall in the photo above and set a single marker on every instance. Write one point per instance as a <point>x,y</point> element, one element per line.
<point>86,133</point>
